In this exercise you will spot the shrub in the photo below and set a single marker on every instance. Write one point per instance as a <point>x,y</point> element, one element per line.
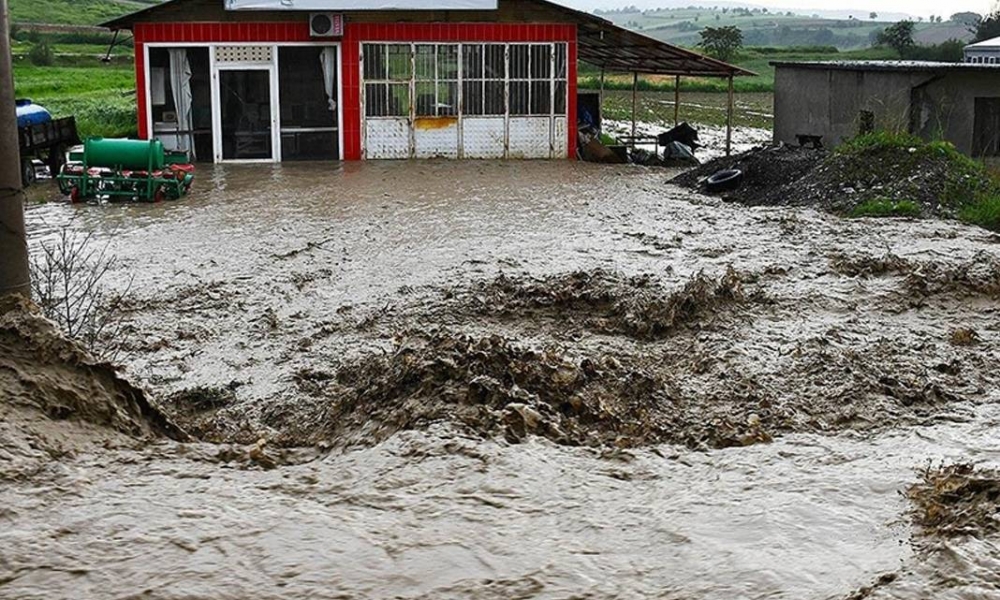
<point>41,54</point>
<point>69,281</point>
<point>884,207</point>
<point>984,212</point>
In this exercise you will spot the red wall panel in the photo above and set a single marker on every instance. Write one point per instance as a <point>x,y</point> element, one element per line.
<point>354,35</point>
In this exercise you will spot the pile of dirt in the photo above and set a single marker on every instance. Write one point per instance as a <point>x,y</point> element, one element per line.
<point>42,370</point>
<point>638,307</point>
<point>932,178</point>
<point>957,500</point>
<point>770,174</point>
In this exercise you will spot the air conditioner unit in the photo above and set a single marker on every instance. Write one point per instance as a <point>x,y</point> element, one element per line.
<point>326,25</point>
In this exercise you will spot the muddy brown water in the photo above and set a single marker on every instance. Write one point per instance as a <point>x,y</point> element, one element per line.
<point>266,271</point>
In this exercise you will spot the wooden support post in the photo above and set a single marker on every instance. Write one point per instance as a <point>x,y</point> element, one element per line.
<point>14,277</point>
<point>635,102</point>
<point>602,88</point>
<point>729,119</point>
<point>677,101</point>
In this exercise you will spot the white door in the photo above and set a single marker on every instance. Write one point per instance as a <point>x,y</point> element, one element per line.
<point>245,104</point>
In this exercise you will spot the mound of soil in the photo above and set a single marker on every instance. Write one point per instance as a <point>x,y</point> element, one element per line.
<point>839,182</point>
<point>957,500</point>
<point>42,370</point>
<point>604,302</point>
<point>770,174</point>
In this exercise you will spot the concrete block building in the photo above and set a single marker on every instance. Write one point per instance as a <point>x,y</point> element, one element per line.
<point>958,102</point>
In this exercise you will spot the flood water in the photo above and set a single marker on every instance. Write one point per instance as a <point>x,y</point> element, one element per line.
<point>265,271</point>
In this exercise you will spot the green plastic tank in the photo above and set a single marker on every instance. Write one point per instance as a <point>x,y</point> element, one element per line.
<point>124,154</point>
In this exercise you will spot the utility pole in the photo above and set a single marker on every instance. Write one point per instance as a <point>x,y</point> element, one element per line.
<point>14,278</point>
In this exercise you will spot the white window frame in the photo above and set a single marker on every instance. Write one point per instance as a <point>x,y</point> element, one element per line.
<point>214,69</point>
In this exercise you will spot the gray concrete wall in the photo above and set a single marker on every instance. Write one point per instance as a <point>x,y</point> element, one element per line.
<point>949,109</point>
<point>829,102</point>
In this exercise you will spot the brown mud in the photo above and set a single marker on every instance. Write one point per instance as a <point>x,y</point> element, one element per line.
<point>556,380</point>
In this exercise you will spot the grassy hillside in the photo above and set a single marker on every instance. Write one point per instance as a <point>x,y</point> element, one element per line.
<point>760,28</point>
<point>73,12</point>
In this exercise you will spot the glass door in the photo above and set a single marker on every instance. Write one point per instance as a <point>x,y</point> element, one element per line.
<point>246,110</point>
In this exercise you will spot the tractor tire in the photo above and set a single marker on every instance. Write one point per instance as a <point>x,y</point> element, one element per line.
<point>724,181</point>
<point>27,173</point>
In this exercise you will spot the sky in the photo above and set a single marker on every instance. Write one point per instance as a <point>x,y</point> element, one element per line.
<point>923,8</point>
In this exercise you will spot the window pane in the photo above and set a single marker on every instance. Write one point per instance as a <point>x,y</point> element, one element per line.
<point>561,71</point>
<point>375,61</point>
<point>519,62</point>
<point>399,100</point>
<point>448,98</point>
<point>424,62</point>
<point>375,100</point>
<point>448,61</point>
<point>541,99</point>
<point>425,99</point>
<point>541,65</point>
<point>472,97</point>
<point>560,98</point>
<point>495,61</point>
<point>494,103</point>
<point>399,61</point>
<point>472,61</point>
<point>519,98</point>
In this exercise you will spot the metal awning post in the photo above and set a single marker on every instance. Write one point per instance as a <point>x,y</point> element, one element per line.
<point>677,101</point>
<point>729,119</point>
<point>635,102</point>
<point>602,88</point>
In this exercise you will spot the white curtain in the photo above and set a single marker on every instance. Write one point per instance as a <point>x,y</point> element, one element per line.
<point>180,82</point>
<point>328,61</point>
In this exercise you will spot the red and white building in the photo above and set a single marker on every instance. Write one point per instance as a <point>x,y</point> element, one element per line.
<point>273,80</point>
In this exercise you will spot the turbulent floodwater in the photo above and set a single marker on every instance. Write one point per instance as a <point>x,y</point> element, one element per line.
<point>267,273</point>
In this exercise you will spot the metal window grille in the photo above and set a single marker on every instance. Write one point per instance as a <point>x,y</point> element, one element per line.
<point>484,79</point>
<point>388,70</point>
<point>494,79</point>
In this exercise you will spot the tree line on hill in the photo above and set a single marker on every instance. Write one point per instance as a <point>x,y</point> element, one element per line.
<point>725,43</point>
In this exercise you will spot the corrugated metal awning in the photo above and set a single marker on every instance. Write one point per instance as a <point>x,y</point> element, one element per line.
<point>613,48</point>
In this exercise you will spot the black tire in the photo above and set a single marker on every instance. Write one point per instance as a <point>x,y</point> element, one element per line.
<point>724,181</point>
<point>27,173</point>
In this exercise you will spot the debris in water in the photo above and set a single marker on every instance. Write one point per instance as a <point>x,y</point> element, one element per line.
<point>957,500</point>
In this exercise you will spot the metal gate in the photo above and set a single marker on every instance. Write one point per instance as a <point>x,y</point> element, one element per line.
<point>468,100</point>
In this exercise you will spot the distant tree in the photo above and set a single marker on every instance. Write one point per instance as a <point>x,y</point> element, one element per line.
<point>920,19</point>
<point>968,19</point>
<point>873,15</point>
<point>898,36</point>
<point>718,17</point>
<point>987,28</point>
<point>723,43</point>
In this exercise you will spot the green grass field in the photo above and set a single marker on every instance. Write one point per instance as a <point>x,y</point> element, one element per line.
<point>102,98</point>
<point>73,12</point>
